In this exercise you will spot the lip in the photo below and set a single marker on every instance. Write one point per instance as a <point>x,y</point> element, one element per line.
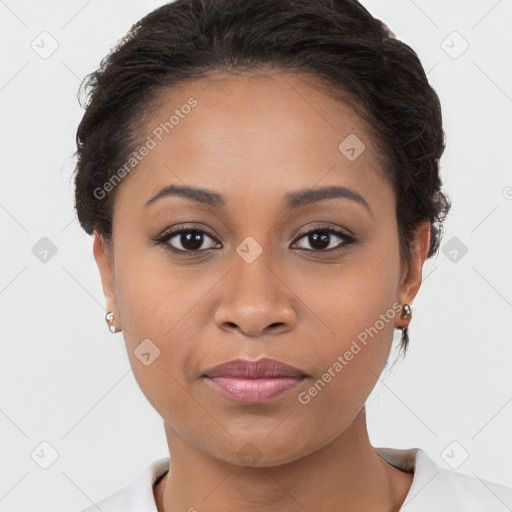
<point>254,382</point>
<point>261,368</point>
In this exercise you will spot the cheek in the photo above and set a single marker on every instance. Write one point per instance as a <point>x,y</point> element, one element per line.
<point>355,308</point>
<point>165,304</point>
<point>153,294</point>
<point>350,297</point>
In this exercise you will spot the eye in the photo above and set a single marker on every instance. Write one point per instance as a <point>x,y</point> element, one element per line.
<point>186,240</point>
<point>320,239</point>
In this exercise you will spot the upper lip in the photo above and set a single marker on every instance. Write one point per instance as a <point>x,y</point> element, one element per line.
<point>264,367</point>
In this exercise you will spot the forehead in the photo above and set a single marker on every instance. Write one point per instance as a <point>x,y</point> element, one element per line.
<point>253,136</point>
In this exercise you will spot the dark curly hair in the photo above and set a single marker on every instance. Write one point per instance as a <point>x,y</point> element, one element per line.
<point>337,41</point>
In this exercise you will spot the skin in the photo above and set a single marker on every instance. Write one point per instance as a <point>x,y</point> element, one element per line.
<point>254,139</point>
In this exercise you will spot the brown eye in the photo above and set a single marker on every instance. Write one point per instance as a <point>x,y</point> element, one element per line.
<point>187,240</point>
<point>323,239</point>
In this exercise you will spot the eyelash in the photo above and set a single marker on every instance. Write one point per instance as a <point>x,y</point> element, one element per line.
<point>171,233</point>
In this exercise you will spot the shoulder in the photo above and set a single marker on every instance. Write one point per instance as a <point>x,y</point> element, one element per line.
<point>438,489</point>
<point>456,489</point>
<point>116,502</point>
<point>136,497</point>
<point>451,490</point>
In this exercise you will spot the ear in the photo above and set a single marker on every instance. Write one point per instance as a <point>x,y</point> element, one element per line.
<point>412,276</point>
<point>103,256</point>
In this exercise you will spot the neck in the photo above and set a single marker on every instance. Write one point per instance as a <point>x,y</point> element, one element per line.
<point>347,474</point>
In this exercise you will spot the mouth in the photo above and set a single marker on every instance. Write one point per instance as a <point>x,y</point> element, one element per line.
<point>254,382</point>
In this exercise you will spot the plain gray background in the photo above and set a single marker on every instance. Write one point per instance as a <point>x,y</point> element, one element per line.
<point>65,380</point>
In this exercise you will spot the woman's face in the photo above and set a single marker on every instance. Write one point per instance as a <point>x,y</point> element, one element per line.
<point>257,284</point>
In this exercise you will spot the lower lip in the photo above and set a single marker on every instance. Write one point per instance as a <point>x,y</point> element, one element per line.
<point>255,391</point>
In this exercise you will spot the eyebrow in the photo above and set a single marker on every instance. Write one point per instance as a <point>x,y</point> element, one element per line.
<point>292,200</point>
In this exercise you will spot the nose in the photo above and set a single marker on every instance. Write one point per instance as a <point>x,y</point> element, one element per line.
<point>255,300</point>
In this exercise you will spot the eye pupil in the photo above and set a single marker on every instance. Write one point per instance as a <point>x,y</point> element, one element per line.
<point>191,240</point>
<point>319,239</point>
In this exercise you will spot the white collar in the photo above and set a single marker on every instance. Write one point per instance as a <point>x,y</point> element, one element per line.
<point>433,487</point>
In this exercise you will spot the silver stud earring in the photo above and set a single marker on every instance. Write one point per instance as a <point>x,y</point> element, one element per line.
<point>109,317</point>
<point>407,311</point>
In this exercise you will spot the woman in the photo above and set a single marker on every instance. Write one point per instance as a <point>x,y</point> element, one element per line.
<point>262,183</point>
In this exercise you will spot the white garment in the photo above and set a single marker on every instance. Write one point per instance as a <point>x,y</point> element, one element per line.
<point>433,489</point>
